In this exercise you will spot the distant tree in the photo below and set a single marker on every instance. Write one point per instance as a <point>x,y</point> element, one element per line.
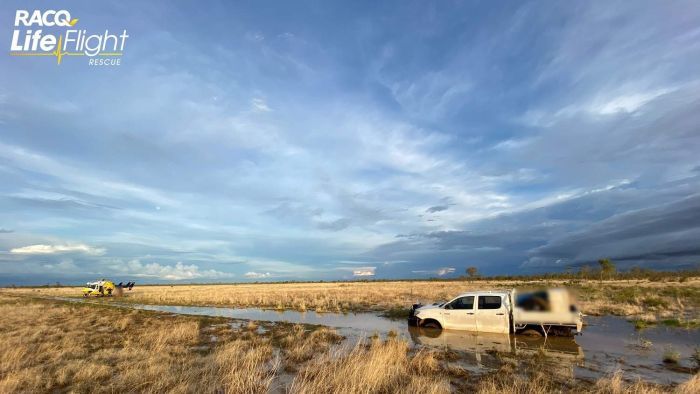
<point>607,268</point>
<point>472,272</point>
<point>584,272</point>
<point>569,271</point>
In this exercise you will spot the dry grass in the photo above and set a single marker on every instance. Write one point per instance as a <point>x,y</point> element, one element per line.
<point>539,382</point>
<point>692,386</point>
<point>302,346</point>
<point>381,367</point>
<point>625,298</point>
<point>50,346</point>
<point>505,381</point>
<point>615,384</point>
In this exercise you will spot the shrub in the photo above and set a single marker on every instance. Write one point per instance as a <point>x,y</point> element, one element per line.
<point>653,302</point>
<point>671,356</point>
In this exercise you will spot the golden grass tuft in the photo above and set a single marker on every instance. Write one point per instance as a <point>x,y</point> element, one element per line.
<point>301,345</point>
<point>692,386</point>
<point>244,367</point>
<point>380,367</point>
<point>506,381</point>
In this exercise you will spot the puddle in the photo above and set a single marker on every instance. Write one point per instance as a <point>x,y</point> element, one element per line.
<point>607,344</point>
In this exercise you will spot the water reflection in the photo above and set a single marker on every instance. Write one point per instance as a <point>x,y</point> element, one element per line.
<point>482,350</point>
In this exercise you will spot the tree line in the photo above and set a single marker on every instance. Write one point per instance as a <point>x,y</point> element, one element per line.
<point>604,269</point>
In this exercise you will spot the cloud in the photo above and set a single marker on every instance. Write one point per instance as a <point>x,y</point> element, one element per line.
<point>79,179</point>
<point>5,231</point>
<point>260,105</point>
<point>437,208</point>
<point>176,272</point>
<point>662,233</point>
<point>57,249</point>
<point>257,275</point>
<point>364,271</point>
<point>632,224</point>
<point>439,272</point>
<point>627,103</point>
<point>65,266</point>
<point>254,36</point>
<point>445,271</point>
<point>334,225</point>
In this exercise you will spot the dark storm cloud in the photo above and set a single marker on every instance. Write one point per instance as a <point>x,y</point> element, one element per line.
<point>437,208</point>
<point>666,233</point>
<point>631,225</point>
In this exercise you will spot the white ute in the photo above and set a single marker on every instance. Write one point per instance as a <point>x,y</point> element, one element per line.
<point>542,313</point>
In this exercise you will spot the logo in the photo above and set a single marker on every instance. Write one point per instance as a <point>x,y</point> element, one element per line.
<point>53,33</point>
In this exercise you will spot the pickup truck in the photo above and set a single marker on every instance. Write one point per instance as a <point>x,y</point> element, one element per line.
<point>540,313</point>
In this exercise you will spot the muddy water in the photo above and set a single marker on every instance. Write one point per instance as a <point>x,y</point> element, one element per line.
<point>607,344</point>
<point>611,343</point>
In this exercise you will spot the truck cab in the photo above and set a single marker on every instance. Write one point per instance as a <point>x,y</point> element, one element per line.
<point>474,311</point>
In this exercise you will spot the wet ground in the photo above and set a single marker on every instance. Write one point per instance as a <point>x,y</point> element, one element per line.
<point>607,344</point>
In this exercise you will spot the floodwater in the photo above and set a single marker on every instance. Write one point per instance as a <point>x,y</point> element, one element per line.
<point>607,343</point>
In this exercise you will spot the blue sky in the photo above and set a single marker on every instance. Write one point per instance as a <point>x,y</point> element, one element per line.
<point>339,140</point>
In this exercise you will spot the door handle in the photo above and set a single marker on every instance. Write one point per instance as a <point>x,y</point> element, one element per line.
<point>470,313</point>
<point>499,314</point>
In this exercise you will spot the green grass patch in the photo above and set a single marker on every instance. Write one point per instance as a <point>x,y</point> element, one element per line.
<point>687,324</point>
<point>677,323</point>
<point>654,302</point>
<point>671,322</point>
<point>642,324</point>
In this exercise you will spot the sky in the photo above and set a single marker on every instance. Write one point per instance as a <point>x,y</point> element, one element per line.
<point>330,140</point>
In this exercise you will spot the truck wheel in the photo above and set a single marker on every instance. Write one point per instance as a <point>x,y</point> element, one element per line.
<point>432,324</point>
<point>531,332</point>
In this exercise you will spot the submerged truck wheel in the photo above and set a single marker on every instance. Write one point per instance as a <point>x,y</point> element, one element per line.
<point>431,324</point>
<point>531,332</point>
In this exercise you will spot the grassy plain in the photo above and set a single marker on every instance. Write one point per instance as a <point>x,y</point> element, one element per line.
<point>51,346</point>
<point>649,300</point>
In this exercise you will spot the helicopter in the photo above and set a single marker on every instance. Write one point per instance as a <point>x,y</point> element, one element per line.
<point>106,288</point>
